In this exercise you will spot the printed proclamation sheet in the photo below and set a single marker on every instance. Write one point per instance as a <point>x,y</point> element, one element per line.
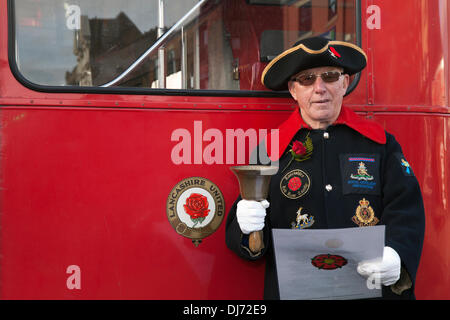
<point>321,264</point>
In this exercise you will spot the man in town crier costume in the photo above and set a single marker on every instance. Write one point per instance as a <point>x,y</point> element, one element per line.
<point>336,168</point>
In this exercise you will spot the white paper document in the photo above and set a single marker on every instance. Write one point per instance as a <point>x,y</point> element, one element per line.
<point>321,264</point>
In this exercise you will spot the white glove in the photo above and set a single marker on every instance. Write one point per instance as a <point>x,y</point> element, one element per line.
<point>387,268</point>
<point>250,215</point>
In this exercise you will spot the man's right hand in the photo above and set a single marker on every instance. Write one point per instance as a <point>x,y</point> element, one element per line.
<point>250,215</point>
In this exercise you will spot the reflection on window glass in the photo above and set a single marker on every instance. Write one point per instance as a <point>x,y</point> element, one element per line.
<point>183,44</point>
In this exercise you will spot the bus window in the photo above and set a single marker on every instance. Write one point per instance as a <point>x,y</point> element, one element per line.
<point>161,44</point>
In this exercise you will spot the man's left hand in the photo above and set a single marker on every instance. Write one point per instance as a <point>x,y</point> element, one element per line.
<point>387,268</point>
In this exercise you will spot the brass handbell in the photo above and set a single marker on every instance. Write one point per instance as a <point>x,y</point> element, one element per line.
<point>254,181</point>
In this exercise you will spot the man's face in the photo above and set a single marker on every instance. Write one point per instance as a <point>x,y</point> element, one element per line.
<point>320,103</point>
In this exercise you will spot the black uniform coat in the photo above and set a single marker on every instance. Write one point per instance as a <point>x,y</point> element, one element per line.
<point>356,176</point>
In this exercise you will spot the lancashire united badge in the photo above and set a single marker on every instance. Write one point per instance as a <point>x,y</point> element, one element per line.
<point>295,184</point>
<point>195,208</point>
<point>364,216</point>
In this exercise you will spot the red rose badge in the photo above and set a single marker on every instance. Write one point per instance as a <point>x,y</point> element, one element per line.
<point>294,184</point>
<point>300,151</point>
<point>197,208</point>
<point>298,148</point>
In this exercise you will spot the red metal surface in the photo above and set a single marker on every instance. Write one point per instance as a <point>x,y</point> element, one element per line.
<point>408,54</point>
<point>89,188</point>
<point>427,148</point>
<point>85,177</point>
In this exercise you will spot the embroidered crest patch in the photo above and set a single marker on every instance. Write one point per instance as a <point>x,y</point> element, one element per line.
<point>364,215</point>
<point>295,184</point>
<point>406,168</point>
<point>195,208</point>
<point>360,173</point>
<point>302,221</point>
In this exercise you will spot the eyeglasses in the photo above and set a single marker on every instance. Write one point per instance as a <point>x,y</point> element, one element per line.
<point>309,78</point>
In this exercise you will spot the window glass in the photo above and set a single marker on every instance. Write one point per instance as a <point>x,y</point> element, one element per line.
<point>182,44</point>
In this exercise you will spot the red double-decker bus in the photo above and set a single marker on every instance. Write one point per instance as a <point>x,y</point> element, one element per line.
<point>111,110</point>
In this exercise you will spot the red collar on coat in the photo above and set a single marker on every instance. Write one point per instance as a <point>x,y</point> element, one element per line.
<point>289,128</point>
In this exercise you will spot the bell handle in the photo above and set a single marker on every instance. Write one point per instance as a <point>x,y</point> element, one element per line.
<point>255,241</point>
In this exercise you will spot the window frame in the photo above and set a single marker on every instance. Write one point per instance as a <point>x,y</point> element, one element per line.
<point>150,91</point>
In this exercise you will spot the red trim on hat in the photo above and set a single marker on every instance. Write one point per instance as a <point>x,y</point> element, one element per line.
<point>289,128</point>
<point>335,52</point>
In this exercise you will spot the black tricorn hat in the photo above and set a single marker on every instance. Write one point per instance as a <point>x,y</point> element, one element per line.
<point>312,53</point>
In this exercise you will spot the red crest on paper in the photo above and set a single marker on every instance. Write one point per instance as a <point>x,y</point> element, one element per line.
<point>328,261</point>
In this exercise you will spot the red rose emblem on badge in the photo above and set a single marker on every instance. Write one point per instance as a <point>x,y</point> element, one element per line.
<point>197,208</point>
<point>294,184</point>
